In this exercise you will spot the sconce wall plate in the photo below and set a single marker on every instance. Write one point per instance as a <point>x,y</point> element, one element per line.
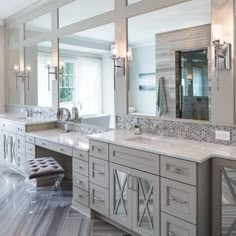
<point>120,66</point>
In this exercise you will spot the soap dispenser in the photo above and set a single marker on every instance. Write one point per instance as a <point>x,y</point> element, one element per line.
<point>137,129</point>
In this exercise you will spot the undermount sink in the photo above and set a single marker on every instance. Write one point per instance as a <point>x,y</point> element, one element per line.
<point>142,139</point>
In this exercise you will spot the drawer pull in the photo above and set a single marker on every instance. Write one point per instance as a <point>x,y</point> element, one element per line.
<point>177,170</point>
<point>30,149</point>
<point>30,139</point>
<point>98,172</point>
<point>176,200</point>
<point>62,149</point>
<point>130,182</point>
<point>98,199</point>
<point>81,167</point>
<point>171,233</point>
<point>81,155</point>
<point>97,149</point>
<point>79,181</point>
<point>43,144</point>
<point>80,196</point>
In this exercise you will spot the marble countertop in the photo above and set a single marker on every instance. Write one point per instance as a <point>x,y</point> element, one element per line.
<point>21,119</point>
<point>180,148</point>
<point>71,139</point>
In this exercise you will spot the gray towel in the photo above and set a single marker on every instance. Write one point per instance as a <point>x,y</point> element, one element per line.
<point>161,98</point>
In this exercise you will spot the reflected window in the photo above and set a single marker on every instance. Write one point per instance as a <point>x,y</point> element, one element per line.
<point>38,26</point>
<point>13,35</point>
<point>87,74</point>
<point>81,10</point>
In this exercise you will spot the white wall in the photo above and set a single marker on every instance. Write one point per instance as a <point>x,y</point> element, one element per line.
<point>143,62</point>
<point>2,66</point>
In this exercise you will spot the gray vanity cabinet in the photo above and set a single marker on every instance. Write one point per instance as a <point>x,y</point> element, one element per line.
<point>134,199</point>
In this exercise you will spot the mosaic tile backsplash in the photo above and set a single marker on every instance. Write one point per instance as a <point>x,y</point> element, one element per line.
<point>198,131</point>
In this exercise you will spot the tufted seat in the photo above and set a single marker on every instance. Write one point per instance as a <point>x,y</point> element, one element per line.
<point>42,167</point>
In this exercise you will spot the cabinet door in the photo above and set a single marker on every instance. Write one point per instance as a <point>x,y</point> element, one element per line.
<point>224,197</point>
<point>12,149</point>
<point>6,147</point>
<point>146,204</point>
<point>121,195</point>
<point>20,161</point>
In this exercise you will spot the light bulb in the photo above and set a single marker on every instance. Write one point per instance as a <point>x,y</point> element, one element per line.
<point>28,68</point>
<point>217,32</point>
<point>16,68</point>
<point>130,54</point>
<point>114,51</point>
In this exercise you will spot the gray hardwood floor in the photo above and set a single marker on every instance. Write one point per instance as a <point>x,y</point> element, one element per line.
<point>49,217</point>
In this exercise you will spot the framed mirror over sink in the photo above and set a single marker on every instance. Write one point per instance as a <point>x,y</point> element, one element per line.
<point>170,70</point>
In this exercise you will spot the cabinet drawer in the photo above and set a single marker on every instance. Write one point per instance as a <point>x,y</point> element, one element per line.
<point>179,200</point>
<point>9,127</point>
<point>80,167</point>
<point>54,147</point>
<point>80,181</point>
<point>30,149</point>
<point>171,226</point>
<point>30,139</point>
<point>20,161</point>
<point>20,144</point>
<point>80,154</point>
<point>81,196</point>
<point>99,199</point>
<point>179,170</point>
<point>140,160</point>
<point>20,130</point>
<point>99,172</point>
<point>98,149</point>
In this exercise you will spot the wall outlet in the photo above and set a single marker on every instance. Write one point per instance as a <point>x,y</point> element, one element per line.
<point>222,135</point>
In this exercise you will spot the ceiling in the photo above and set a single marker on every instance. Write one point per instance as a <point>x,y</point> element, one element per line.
<point>11,7</point>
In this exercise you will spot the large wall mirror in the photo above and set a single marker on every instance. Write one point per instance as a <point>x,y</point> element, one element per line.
<point>169,74</point>
<point>79,10</point>
<point>86,79</point>
<point>40,82</point>
<point>31,83</point>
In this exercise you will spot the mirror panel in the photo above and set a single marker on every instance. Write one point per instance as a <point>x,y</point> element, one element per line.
<point>81,10</point>
<point>14,85</point>
<point>169,60</point>
<point>38,26</point>
<point>87,75</point>
<point>13,35</point>
<point>37,90</point>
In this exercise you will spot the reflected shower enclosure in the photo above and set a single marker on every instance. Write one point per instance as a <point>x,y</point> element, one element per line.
<point>192,100</point>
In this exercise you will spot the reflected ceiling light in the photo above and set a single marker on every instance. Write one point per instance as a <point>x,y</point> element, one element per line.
<point>222,48</point>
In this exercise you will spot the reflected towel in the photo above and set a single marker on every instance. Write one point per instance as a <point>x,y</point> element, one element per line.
<point>161,98</point>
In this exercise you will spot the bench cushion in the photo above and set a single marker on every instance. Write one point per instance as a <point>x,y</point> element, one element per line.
<point>42,167</point>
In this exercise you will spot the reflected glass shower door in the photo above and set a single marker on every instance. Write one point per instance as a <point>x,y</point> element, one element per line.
<point>192,83</point>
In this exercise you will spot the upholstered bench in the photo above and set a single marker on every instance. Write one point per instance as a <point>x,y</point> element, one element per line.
<point>43,174</point>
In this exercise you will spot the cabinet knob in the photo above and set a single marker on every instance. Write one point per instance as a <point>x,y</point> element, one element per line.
<point>171,233</point>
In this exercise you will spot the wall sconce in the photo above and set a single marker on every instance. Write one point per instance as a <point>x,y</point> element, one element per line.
<point>23,75</point>
<point>222,49</point>
<point>118,61</point>
<point>52,70</point>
